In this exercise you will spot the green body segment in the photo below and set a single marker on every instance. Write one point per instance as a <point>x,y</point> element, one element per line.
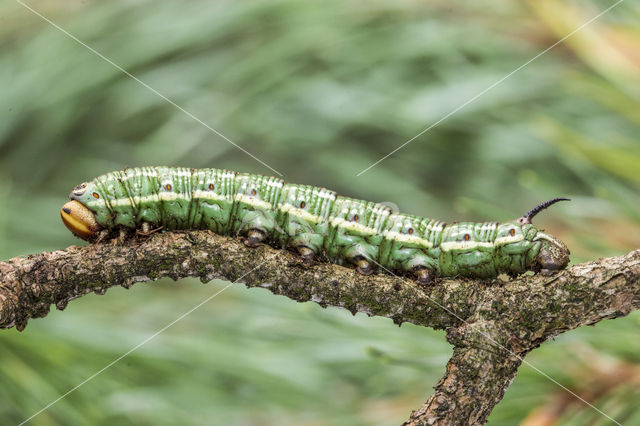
<point>341,229</point>
<point>412,242</point>
<point>355,230</point>
<point>255,204</point>
<point>303,216</point>
<point>212,200</point>
<point>175,195</point>
<point>468,248</point>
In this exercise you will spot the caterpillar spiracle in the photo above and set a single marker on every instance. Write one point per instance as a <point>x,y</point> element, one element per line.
<point>315,222</point>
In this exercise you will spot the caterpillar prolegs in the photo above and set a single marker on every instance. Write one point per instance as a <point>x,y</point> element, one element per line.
<point>314,221</point>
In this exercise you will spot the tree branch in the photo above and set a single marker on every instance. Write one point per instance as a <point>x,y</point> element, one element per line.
<point>475,381</point>
<point>491,323</point>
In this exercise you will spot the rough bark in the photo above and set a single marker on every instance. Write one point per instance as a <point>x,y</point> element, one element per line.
<point>491,323</point>
<point>475,381</point>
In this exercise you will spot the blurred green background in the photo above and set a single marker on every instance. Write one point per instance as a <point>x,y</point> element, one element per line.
<point>319,91</point>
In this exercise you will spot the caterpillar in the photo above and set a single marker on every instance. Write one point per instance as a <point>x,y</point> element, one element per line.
<point>314,221</point>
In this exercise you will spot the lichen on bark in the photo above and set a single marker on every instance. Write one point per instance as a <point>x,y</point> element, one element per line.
<point>492,324</point>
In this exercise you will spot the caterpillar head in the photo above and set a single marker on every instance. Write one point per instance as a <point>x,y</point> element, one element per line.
<point>553,254</point>
<point>77,217</point>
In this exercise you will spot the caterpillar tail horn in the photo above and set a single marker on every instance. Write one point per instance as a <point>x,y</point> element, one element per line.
<point>526,219</point>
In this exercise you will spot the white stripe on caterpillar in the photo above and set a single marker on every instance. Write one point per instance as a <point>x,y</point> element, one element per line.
<point>354,226</point>
<point>253,201</point>
<point>463,245</point>
<point>209,195</point>
<point>508,239</point>
<point>399,236</point>
<point>303,214</point>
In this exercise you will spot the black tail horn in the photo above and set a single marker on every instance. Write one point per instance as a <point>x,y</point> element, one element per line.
<point>534,211</point>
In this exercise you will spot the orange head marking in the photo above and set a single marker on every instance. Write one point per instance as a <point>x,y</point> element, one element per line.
<point>80,220</point>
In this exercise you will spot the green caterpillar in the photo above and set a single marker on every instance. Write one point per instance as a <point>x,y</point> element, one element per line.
<point>315,222</point>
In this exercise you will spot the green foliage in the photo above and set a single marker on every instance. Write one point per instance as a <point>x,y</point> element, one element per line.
<point>319,91</point>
